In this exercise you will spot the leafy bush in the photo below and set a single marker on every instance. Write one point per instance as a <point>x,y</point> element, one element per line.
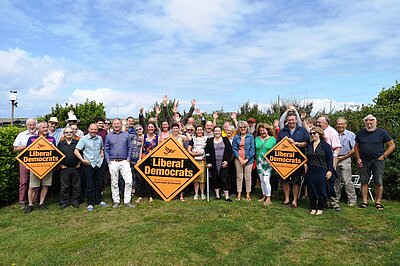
<point>9,172</point>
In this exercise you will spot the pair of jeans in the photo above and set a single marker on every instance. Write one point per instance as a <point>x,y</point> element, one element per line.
<point>94,183</point>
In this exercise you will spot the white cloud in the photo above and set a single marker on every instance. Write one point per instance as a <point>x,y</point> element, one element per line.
<point>50,87</point>
<point>117,103</point>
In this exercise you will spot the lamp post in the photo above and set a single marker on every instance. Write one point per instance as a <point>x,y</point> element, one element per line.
<point>13,99</point>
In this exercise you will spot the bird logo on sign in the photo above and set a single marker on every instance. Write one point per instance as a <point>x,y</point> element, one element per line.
<point>168,150</point>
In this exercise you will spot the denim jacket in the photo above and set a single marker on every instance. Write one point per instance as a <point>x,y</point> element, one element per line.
<point>249,147</point>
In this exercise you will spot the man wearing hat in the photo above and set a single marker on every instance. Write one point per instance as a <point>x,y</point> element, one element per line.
<point>53,131</point>
<point>73,120</point>
<point>371,155</point>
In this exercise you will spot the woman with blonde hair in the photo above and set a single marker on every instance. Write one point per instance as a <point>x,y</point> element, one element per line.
<point>320,173</point>
<point>243,151</point>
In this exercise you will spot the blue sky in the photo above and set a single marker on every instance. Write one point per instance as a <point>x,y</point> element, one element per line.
<point>128,54</point>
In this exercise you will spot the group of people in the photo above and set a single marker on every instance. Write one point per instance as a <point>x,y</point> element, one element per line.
<point>234,156</point>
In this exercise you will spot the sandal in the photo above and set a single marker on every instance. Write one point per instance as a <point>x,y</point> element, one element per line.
<point>363,205</point>
<point>293,206</point>
<point>379,207</point>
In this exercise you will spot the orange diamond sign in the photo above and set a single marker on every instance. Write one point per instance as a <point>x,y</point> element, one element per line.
<point>169,168</point>
<point>40,157</point>
<point>285,158</point>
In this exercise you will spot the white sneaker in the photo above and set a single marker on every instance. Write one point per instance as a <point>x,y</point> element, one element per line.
<point>90,208</point>
<point>203,197</point>
<point>196,197</point>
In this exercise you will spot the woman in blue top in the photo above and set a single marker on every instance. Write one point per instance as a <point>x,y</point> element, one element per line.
<point>243,151</point>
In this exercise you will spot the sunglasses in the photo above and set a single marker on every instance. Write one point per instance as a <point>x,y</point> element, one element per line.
<point>313,133</point>
<point>52,123</point>
<point>107,123</point>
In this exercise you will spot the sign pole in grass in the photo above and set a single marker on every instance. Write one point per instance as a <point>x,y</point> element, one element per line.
<point>168,168</point>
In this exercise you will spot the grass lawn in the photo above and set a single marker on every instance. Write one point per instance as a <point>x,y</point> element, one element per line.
<point>197,232</point>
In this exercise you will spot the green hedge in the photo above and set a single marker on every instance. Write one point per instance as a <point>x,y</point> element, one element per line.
<point>9,172</point>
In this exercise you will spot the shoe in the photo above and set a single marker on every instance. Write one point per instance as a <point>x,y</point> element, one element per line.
<point>115,205</point>
<point>351,204</point>
<point>62,207</point>
<point>138,200</point>
<point>233,195</point>
<point>22,206</point>
<point>90,208</point>
<point>75,205</point>
<point>203,197</point>
<point>337,208</point>
<point>103,204</point>
<point>274,195</point>
<point>196,197</point>
<point>248,199</point>
<point>261,200</point>
<point>313,212</point>
<point>238,199</point>
<point>286,203</point>
<point>182,198</point>
<point>42,206</point>
<point>29,209</point>
<point>129,205</point>
<point>293,206</point>
<point>228,200</point>
<point>363,205</point>
<point>217,198</point>
<point>379,206</point>
<point>267,203</point>
<point>151,199</point>
<point>319,212</point>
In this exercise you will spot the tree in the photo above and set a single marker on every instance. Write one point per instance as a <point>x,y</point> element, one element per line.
<point>86,112</point>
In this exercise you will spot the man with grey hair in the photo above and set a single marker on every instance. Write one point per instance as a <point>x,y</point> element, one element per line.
<point>371,154</point>
<point>118,151</point>
<point>34,181</point>
<point>20,145</point>
<point>343,169</point>
<point>332,138</point>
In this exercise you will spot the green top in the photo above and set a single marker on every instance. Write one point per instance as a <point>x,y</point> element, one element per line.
<point>262,150</point>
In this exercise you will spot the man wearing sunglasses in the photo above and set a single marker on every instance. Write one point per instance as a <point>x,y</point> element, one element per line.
<point>70,182</point>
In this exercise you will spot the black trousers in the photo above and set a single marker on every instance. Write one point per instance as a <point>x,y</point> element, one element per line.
<point>70,186</point>
<point>94,183</point>
<point>317,204</point>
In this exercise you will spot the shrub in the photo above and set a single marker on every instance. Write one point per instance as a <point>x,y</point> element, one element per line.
<point>9,172</point>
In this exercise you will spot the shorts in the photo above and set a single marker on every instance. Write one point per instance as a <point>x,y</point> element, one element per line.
<point>294,178</point>
<point>34,181</point>
<point>374,168</point>
<point>202,177</point>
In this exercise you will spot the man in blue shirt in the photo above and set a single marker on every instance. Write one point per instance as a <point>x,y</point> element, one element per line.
<point>118,150</point>
<point>343,169</point>
<point>300,137</point>
<point>91,146</point>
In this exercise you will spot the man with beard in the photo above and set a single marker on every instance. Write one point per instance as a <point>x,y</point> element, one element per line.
<point>371,154</point>
<point>20,145</point>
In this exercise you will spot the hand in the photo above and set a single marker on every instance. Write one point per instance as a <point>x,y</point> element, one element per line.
<point>224,164</point>
<point>165,100</point>
<point>305,168</point>
<point>70,113</point>
<point>291,141</point>
<point>62,166</point>
<point>209,165</point>
<point>158,110</point>
<point>198,112</point>
<point>328,175</point>
<point>276,123</point>
<point>233,115</point>
<point>341,158</point>
<point>303,115</point>
<point>360,163</point>
<point>381,158</point>
<point>215,115</point>
<point>86,162</point>
<point>141,110</point>
<point>193,102</point>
